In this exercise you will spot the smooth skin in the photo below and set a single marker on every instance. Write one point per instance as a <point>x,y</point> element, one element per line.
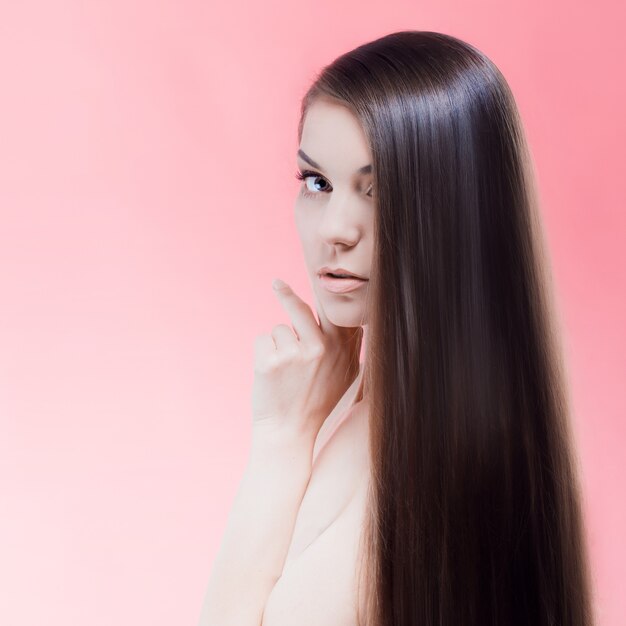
<point>289,551</point>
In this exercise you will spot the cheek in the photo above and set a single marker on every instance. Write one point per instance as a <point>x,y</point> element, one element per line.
<point>305,225</point>
<point>306,233</point>
<point>301,215</point>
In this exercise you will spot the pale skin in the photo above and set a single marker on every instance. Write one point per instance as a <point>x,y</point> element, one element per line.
<point>289,552</point>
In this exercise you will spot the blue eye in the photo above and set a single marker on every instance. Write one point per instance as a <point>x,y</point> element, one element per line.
<point>306,174</point>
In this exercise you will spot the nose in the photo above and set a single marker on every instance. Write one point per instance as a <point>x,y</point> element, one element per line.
<point>340,222</point>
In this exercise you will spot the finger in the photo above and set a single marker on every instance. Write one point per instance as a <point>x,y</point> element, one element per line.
<point>328,328</point>
<point>264,346</point>
<point>300,313</point>
<point>284,337</point>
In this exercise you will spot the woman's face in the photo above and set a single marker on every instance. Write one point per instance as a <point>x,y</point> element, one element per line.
<point>334,209</point>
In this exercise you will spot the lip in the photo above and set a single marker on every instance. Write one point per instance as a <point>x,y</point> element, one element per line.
<point>339,270</point>
<point>341,285</point>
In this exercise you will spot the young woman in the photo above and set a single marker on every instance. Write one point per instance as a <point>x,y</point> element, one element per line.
<point>434,483</point>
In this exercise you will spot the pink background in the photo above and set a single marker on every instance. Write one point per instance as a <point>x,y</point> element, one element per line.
<point>147,153</point>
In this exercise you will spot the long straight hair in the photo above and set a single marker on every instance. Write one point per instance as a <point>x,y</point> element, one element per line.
<point>474,513</point>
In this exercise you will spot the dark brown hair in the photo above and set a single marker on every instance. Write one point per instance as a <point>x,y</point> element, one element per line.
<point>474,513</point>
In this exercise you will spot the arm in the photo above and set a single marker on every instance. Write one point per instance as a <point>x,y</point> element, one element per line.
<point>259,529</point>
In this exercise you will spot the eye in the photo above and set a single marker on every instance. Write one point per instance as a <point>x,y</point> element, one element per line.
<point>305,175</point>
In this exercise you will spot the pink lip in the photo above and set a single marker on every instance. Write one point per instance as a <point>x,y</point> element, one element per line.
<point>338,270</point>
<point>340,285</point>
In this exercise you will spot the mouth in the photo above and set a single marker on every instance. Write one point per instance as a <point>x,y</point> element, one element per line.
<point>340,273</point>
<point>338,284</point>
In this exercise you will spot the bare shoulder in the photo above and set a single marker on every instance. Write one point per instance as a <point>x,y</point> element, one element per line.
<point>319,584</point>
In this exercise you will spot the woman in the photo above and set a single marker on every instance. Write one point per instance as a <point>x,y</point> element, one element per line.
<point>442,488</point>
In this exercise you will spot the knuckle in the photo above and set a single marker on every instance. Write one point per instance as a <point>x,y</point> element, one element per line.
<point>280,328</point>
<point>316,351</point>
<point>288,353</point>
<point>266,364</point>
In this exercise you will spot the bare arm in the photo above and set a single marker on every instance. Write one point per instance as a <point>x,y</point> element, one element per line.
<point>296,384</point>
<point>259,530</point>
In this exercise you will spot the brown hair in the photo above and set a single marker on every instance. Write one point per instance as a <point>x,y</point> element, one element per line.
<point>474,514</point>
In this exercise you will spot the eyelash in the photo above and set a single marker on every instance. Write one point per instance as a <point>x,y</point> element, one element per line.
<point>310,174</point>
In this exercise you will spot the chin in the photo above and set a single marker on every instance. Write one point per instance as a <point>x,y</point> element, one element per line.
<point>344,312</point>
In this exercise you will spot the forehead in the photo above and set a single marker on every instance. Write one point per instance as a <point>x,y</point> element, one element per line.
<point>333,136</point>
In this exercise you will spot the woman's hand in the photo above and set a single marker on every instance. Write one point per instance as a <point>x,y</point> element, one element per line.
<point>301,373</point>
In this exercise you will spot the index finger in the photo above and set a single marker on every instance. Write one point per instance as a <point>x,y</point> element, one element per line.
<point>302,319</point>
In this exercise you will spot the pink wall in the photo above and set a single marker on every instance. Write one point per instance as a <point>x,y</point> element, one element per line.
<point>147,152</point>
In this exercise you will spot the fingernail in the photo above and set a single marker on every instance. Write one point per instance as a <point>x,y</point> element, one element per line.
<point>278,283</point>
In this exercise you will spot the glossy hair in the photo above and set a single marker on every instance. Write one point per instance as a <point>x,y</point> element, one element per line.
<point>474,513</point>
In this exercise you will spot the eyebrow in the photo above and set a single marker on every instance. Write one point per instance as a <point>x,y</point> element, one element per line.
<point>366,169</point>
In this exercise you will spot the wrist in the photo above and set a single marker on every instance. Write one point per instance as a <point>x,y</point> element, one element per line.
<point>281,447</point>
